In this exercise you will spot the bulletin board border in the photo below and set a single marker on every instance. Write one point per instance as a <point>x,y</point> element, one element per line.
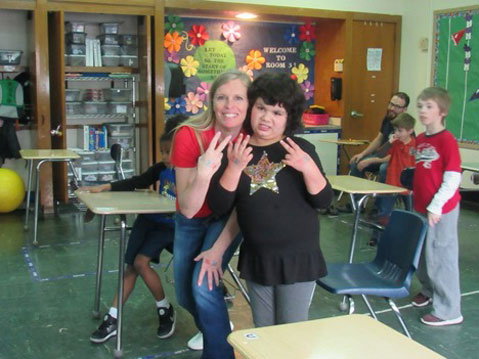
<point>437,15</point>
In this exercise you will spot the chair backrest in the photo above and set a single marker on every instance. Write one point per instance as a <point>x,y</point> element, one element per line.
<point>116,153</point>
<point>400,246</point>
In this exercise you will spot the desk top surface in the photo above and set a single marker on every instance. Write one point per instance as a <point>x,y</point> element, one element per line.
<point>134,202</point>
<point>351,184</point>
<point>346,142</point>
<point>470,166</point>
<point>348,336</point>
<point>32,154</point>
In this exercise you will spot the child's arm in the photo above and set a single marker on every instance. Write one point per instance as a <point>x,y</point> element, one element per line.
<point>371,160</point>
<point>97,189</point>
<point>450,183</point>
<point>213,257</point>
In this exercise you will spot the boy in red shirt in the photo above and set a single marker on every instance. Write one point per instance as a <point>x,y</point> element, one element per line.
<point>436,195</point>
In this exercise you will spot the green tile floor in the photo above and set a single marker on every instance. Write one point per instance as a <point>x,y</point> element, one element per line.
<point>46,293</point>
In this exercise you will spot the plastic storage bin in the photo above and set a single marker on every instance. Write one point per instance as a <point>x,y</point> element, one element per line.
<point>75,60</point>
<point>315,119</point>
<point>112,61</point>
<point>127,165</point>
<point>10,57</point>
<point>75,37</point>
<point>106,176</point>
<point>103,155</point>
<point>109,39</point>
<point>89,176</point>
<point>93,95</point>
<point>109,50</point>
<point>110,27</point>
<point>86,156</point>
<point>72,95</point>
<point>106,165</point>
<point>128,50</point>
<point>89,166</point>
<point>117,95</point>
<point>129,61</point>
<point>74,26</point>
<point>76,49</point>
<point>120,108</point>
<point>95,108</point>
<point>120,129</point>
<point>128,39</point>
<point>129,173</point>
<point>73,108</point>
<point>125,141</point>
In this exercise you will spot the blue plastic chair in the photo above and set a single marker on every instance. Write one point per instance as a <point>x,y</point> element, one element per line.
<point>389,275</point>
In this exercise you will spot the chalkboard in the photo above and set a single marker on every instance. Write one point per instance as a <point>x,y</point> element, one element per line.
<point>456,68</point>
<point>202,48</point>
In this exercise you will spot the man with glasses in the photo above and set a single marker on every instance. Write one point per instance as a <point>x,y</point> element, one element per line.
<point>368,160</point>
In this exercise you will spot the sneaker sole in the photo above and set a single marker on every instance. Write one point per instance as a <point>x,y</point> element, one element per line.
<point>102,340</point>
<point>420,305</point>
<point>444,322</point>
<point>172,331</point>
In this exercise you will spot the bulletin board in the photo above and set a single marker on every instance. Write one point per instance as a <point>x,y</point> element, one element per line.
<point>203,48</point>
<point>456,68</point>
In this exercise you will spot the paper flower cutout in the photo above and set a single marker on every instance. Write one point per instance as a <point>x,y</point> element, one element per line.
<point>231,31</point>
<point>173,42</point>
<point>306,51</point>
<point>172,56</point>
<point>301,73</point>
<point>189,66</point>
<point>291,36</point>
<point>173,24</point>
<point>307,32</point>
<point>167,104</point>
<point>198,35</point>
<point>178,106</point>
<point>193,103</point>
<point>203,91</point>
<point>255,60</point>
<point>247,71</point>
<point>308,89</point>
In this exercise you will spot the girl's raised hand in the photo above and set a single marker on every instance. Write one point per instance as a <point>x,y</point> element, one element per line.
<point>295,156</point>
<point>209,161</point>
<point>239,154</point>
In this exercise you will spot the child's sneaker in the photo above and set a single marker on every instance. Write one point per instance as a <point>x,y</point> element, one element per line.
<point>105,331</point>
<point>420,300</point>
<point>196,342</point>
<point>167,319</point>
<point>430,319</point>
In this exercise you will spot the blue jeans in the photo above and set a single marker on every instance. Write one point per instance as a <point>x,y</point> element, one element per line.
<point>376,167</point>
<point>385,204</point>
<point>193,236</point>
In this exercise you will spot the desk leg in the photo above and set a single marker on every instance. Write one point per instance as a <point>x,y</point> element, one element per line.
<point>357,211</point>
<point>119,351</point>
<point>239,284</point>
<point>29,190</point>
<point>37,200</point>
<point>99,269</point>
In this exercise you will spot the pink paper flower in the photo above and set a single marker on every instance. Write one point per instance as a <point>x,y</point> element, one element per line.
<point>193,103</point>
<point>231,31</point>
<point>172,56</point>
<point>203,91</point>
<point>308,89</point>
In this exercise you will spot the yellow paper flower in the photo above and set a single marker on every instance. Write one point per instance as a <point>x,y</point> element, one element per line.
<point>167,105</point>
<point>189,66</point>
<point>301,73</point>
<point>173,42</point>
<point>255,60</point>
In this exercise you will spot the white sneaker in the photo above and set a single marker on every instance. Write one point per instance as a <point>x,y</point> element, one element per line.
<point>196,342</point>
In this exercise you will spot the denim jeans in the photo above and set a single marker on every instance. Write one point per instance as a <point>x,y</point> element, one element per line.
<point>385,204</point>
<point>193,236</point>
<point>375,167</point>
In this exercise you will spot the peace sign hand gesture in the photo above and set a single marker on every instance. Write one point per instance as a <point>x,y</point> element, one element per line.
<point>295,156</point>
<point>209,162</point>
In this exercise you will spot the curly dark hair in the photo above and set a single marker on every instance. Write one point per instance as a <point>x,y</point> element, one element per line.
<point>277,88</point>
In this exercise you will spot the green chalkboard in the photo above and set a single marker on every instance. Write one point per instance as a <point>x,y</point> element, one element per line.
<point>456,68</point>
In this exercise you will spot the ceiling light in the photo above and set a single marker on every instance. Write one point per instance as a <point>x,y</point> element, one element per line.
<point>246,16</point>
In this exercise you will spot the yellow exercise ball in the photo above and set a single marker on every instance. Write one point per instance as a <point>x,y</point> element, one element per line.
<point>12,190</point>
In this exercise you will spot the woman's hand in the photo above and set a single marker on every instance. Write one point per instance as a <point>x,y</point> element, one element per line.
<point>239,154</point>
<point>211,266</point>
<point>295,156</point>
<point>210,161</point>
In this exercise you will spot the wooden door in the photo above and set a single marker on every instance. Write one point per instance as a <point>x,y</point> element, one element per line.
<point>369,91</point>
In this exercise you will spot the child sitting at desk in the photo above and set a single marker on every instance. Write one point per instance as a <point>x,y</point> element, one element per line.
<point>400,156</point>
<point>151,233</point>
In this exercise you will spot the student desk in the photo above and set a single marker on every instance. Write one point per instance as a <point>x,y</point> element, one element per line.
<point>364,188</point>
<point>121,203</point>
<point>43,156</point>
<point>349,336</point>
<point>470,166</point>
<point>344,143</point>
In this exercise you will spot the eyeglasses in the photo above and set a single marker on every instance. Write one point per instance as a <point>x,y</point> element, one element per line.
<point>395,105</point>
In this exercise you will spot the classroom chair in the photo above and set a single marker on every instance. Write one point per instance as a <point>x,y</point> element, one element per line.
<point>389,274</point>
<point>116,153</point>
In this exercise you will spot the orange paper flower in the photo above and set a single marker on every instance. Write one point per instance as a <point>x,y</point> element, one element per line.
<point>173,42</point>
<point>255,60</point>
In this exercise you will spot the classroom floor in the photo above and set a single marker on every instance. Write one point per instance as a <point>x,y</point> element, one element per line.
<point>46,293</point>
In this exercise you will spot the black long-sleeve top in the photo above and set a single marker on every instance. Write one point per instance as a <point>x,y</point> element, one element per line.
<point>145,180</point>
<point>280,225</point>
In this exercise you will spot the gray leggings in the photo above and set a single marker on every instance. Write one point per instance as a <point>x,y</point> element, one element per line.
<point>280,304</point>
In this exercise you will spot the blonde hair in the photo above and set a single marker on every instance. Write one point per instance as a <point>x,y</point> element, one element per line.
<point>207,119</point>
<point>404,120</point>
<point>438,95</point>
